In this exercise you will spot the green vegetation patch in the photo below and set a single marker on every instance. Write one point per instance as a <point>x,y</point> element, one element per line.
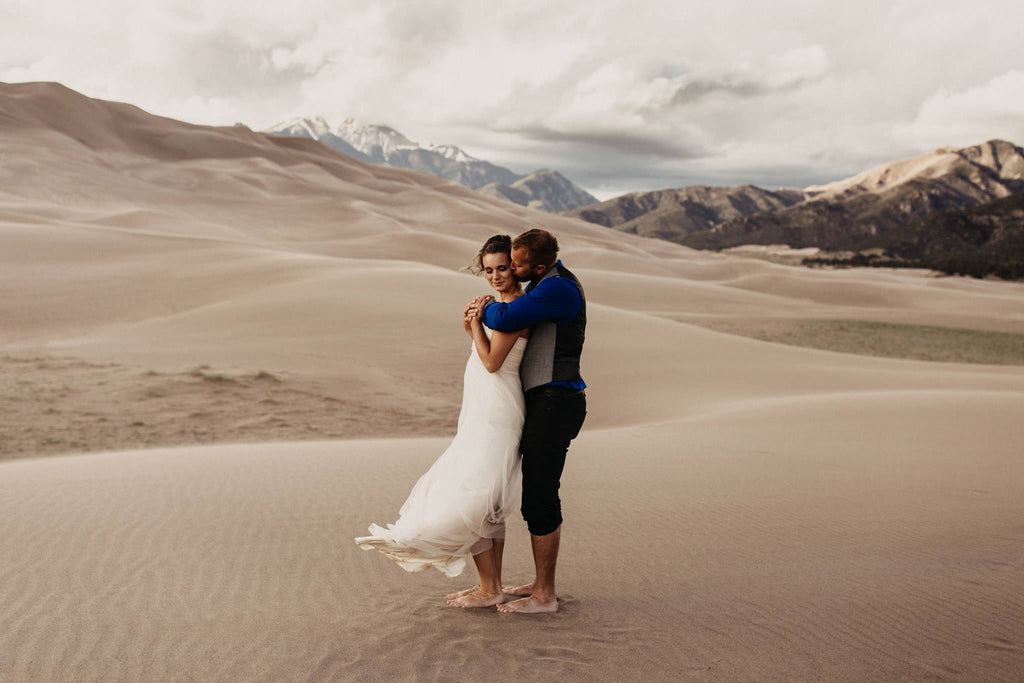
<point>894,340</point>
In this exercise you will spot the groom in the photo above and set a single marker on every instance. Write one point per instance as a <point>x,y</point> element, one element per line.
<point>555,309</point>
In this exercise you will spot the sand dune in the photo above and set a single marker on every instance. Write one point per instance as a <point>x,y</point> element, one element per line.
<point>726,548</point>
<point>736,509</point>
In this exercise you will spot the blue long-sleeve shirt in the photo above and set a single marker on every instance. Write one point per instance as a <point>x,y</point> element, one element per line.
<point>556,299</point>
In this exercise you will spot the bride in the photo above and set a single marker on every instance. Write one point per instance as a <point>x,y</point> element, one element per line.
<point>458,507</point>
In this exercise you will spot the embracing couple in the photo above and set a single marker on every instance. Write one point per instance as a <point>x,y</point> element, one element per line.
<point>523,401</point>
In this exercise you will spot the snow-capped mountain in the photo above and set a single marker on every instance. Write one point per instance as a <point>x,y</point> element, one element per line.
<point>318,129</point>
<point>314,128</point>
<point>379,144</point>
<point>452,152</point>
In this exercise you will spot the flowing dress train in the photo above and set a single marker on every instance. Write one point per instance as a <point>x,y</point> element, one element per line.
<point>458,507</point>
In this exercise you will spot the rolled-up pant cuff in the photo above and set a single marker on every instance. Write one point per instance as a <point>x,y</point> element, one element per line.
<point>545,526</point>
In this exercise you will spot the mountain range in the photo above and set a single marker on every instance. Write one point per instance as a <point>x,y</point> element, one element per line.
<point>954,209</point>
<point>546,190</point>
<point>832,216</point>
<point>674,214</point>
<point>854,214</point>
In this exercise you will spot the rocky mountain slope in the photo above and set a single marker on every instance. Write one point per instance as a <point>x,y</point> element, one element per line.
<point>674,214</point>
<point>853,214</point>
<point>840,215</point>
<point>544,190</point>
<point>987,239</point>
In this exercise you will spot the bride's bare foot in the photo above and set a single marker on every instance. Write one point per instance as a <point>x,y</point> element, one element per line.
<point>518,591</point>
<point>452,596</point>
<point>530,605</point>
<point>478,598</point>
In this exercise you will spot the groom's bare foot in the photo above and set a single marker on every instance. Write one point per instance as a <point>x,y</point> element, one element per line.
<point>518,591</point>
<point>530,605</point>
<point>459,594</point>
<point>478,598</point>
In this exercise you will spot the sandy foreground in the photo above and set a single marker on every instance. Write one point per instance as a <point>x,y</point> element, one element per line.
<point>736,509</point>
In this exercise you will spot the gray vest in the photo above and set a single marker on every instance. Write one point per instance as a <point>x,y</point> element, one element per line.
<point>553,351</point>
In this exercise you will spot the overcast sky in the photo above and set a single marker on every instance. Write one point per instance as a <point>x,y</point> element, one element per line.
<point>619,96</point>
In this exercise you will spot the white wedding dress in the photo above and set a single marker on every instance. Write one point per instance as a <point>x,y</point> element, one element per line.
<point>459,505</point>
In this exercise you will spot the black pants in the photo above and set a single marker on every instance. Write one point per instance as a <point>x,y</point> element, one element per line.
<point>554,416</point>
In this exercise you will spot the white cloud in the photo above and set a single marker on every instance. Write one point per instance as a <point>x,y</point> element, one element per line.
<point>992,110</point>
<point>613,92</point>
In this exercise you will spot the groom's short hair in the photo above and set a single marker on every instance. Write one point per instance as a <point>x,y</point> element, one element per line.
<point>540,244</point>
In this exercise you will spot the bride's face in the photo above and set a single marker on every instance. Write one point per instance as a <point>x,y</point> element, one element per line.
<point>498,271</point>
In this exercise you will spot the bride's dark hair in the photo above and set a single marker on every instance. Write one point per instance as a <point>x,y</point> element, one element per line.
<point>498,244</point>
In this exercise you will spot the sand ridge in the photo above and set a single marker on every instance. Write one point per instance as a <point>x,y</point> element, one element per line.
<point>754,555</point>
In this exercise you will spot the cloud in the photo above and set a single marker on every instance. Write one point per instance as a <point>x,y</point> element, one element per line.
<point>991,110</point>
<point>613,140</point>
<point>614,91</point>
<point>778,73</point>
